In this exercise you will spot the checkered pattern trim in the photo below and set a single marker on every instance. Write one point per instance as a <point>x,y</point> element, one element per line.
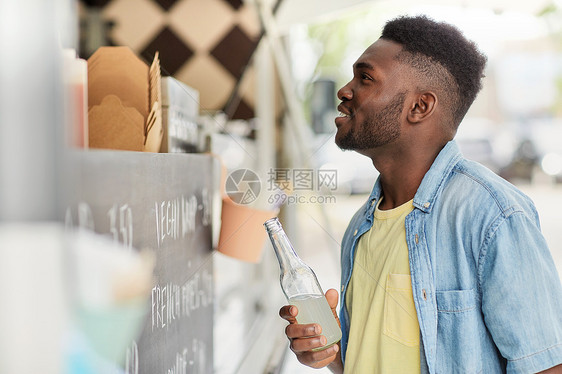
<point>207,44</point>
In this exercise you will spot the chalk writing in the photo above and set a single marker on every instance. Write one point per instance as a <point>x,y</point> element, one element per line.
<point>171,302</point>
<point>120,221</point>
<point>206,206</point>
<point>188,214</point>
<point>190,361</point>
<point>85,217</point>
<point>132,359</point>
<point>176,218</point>
<point>121,224</point>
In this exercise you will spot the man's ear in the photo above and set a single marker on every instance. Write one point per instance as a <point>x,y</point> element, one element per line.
<point>423,107</point>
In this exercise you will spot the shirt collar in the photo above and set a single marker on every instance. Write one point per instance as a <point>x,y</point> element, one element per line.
<point>447,158</point>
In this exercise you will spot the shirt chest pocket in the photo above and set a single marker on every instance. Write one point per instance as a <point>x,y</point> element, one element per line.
<point>459,331</point>
<point>400,318</point>
<point>456,301</point>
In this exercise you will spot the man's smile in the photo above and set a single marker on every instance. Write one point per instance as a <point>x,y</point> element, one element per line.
<point>344,114</point>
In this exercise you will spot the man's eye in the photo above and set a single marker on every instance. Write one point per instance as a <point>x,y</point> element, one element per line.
<point>365,76</point>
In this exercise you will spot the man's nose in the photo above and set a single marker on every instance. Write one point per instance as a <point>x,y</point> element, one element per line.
<point>345,93</point>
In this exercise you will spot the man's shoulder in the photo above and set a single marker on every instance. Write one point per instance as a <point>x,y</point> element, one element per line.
<point>477,185</point>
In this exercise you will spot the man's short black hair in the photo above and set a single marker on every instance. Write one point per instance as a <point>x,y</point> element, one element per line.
<point>428,44</point>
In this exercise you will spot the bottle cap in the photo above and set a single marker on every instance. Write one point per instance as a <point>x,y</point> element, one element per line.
<point>273,225</point>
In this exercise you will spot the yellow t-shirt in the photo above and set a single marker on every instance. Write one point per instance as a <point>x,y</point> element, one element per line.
<point>384,331</point>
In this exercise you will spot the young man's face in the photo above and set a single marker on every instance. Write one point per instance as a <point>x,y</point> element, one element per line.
<point>373,101</point>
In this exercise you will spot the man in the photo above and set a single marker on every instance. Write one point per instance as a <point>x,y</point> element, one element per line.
<point>444,268</point>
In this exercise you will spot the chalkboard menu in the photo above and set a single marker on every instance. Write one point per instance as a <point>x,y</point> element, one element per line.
<point>162,202</point>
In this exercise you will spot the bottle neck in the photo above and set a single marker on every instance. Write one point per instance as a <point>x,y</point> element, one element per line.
<point>284,251</point>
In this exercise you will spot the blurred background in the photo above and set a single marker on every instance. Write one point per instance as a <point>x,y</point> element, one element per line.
<point>265,75</point>
<point>514,127</point>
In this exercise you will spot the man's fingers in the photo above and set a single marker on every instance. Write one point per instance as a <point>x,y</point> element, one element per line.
<point>289,313</point>
<point>302,331</point>
<point>308,344</point>
<point>318,359</point>
<point>332,297</point>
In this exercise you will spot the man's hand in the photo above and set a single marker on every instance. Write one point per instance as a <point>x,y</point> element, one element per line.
<point>305,338</point>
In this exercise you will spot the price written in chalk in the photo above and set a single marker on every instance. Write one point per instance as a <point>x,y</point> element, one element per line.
<point>121,224</point>
<point>120,221</point>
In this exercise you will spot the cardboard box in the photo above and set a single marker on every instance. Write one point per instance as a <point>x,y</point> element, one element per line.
<point>124,101</point>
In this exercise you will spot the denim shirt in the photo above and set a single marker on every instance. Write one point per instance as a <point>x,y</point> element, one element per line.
<point>487,294</point>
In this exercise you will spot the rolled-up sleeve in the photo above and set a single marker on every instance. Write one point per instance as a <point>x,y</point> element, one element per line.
<point>521,294</point>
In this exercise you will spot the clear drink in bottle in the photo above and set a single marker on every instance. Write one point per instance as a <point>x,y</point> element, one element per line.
<point>300,285</point>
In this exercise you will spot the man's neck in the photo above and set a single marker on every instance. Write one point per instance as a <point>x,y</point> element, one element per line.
<point>402,173</point>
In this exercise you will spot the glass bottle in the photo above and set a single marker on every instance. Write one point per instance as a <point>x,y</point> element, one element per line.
<point>300,285</point>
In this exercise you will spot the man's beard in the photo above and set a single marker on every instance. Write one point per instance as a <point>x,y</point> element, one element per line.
<point>377,130</point>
